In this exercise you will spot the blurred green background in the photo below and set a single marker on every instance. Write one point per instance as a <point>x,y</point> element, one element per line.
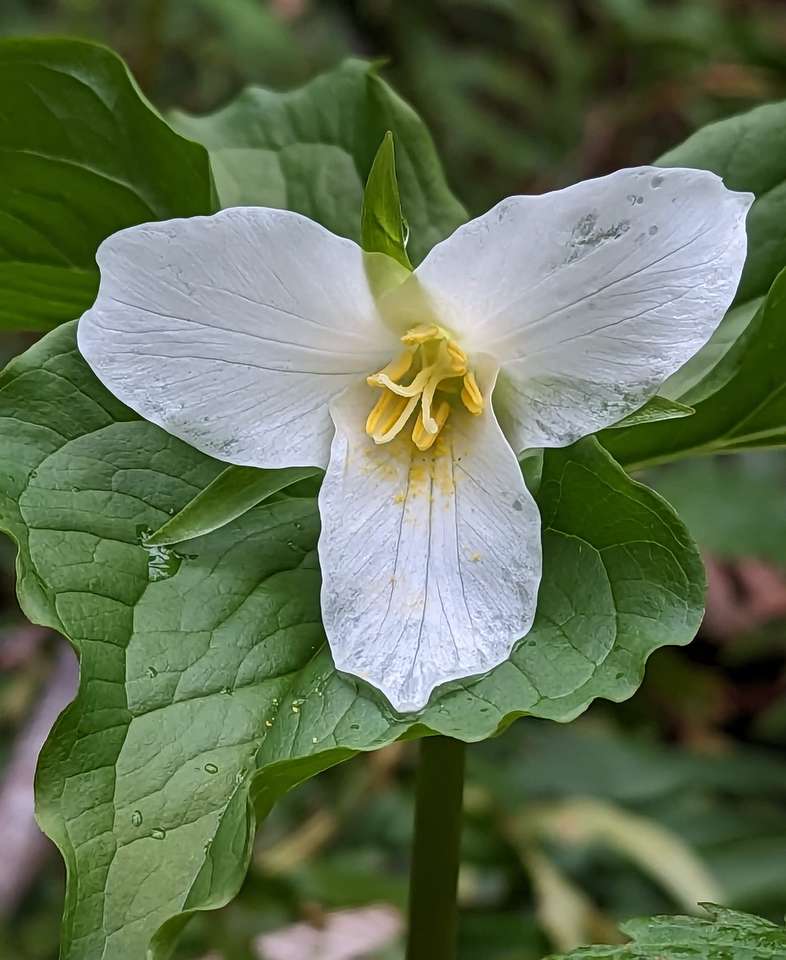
<point>678,795</point>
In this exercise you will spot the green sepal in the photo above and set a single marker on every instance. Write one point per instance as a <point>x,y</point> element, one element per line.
<point>234,491</point>
<point>383,228</point>
<point>656,408</point>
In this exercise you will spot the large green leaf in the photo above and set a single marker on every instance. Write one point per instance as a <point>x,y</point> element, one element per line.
<point>206,682</point>
<point>311,150</point>
<point>724,935</point>
<point>82,155</point>
<point>749,410</point>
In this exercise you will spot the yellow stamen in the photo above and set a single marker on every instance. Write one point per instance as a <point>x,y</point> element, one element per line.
<point>436,369</point>
<point>423,438</point>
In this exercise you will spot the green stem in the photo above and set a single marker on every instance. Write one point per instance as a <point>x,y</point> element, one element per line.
<point>433,912</point>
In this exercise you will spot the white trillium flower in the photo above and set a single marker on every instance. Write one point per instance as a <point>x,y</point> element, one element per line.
<point>260,338</point>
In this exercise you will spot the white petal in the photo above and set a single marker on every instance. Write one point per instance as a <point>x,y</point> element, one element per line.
<point>590,297</point>
<point>430,562</point>
<point>233,332</point>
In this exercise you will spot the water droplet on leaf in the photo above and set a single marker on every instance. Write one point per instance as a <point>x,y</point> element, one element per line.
<point>162,562</point>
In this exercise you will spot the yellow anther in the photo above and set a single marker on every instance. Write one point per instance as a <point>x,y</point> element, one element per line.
<point>458,357</point>
<point>392,427</point>
<point>421,437</point>
<point>471,396</point>
<point>421,333</point>
<point>385,412</point>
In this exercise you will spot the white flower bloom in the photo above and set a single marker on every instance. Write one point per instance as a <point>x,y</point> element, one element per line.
<point>254,335</point>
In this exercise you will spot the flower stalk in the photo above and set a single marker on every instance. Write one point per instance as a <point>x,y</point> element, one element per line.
<point>433,911</point>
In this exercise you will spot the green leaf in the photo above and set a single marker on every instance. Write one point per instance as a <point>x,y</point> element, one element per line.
<point>749,409</point>
<point>207,689</point>
<point>724,935</point>
<point>382,225</point>
<point>82,155</point>
<point>656,408</point>
<point>749,152</point>
<point>311,150</point>
<point>234,491</point>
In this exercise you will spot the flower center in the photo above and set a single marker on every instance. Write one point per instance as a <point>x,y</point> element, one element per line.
<point>432,372</point>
